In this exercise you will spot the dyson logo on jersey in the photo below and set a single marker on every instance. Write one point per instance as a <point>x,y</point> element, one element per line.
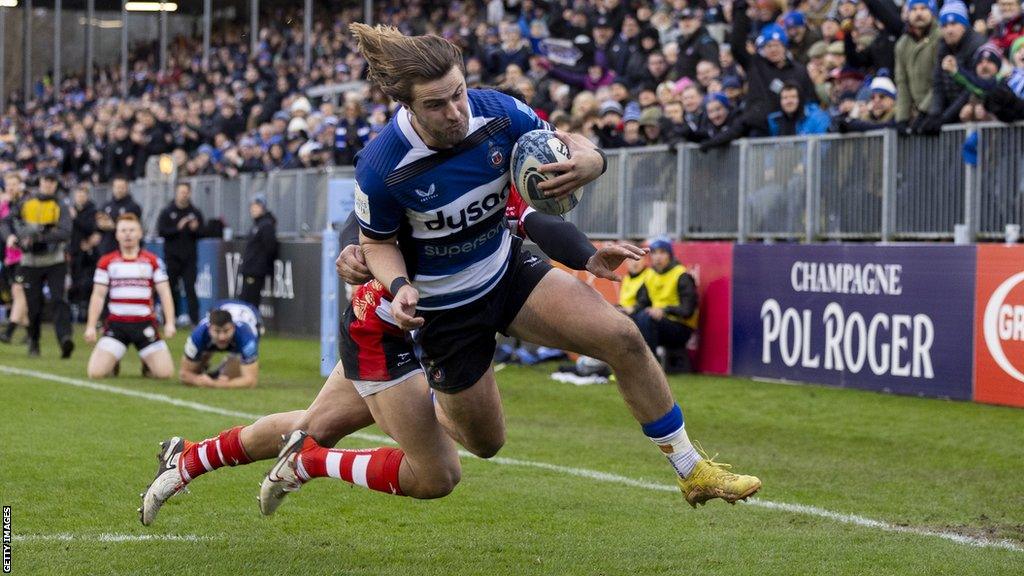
<point>472,213</point>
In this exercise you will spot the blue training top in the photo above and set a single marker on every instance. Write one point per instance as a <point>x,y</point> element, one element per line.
<point>245,341</point>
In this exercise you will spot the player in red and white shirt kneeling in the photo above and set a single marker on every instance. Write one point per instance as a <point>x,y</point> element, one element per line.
<point>129,275</point>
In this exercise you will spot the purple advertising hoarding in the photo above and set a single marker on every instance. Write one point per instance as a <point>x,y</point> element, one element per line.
<point>889,318</point>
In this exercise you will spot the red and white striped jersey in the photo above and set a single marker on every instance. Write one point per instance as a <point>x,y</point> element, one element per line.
<point>131,285</point>
<point>515,212</point>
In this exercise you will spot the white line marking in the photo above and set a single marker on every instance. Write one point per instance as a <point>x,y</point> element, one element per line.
<point>65,537</point>
<point>578,472</point>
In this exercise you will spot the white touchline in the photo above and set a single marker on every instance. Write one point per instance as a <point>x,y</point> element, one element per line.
<point>578,472</point>
<point>66,537</point>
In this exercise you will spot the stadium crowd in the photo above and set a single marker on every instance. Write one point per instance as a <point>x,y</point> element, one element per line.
<point>623,73</point>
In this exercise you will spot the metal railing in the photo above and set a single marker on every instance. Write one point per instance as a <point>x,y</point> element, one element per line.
<point>862,187</point>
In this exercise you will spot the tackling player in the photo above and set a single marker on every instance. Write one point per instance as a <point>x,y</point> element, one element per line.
<point>129,275</point>
<point>232,327</point>
<point>376,358</point>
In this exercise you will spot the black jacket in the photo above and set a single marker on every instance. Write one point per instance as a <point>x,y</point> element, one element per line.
<point>765,79</point>
<point>261,247</point>
<point>948,97</point>
<point>699,46</point>
<point>83,225</point>
<point>116,208</point>
<point>881,53</point>
<point>179,244</point>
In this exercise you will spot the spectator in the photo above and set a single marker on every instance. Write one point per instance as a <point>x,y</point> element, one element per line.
<point>879,113</point>
<point>610,52</point>
<point>1007,99</point>
<point>655,72</point>
<point>632,282</point>
<point>351,134</point>
<point>961,42</point>
<point>121,203</point>
<point>609,130</point>
<point>43,228</point>
<point>260,251</point>
<point>82,250</point>
<point>768,69</point>
<point>987,62</point>
<point>801,38</point>
<point>666,304</point>
<point>708,72</point>
<point>512,50</point>
<point>695,44</point>
<point>879,53</point>
<point>180,224</point>
<point>795,117</point>
<point>1006,23</point>
<point>650,126</point>
<point>916,54</point>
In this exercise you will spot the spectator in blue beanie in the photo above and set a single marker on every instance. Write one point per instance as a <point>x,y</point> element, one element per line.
<point>769,68</point>
<point>801,38</point>
<point>960,42</point>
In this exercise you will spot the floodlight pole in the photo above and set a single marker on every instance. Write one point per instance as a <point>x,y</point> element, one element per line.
<point>26,49</point>
<point>90,16</point>
<point>207,18</point>
<point>58,10</point>
<point>368,12</point>
<point>3,58</point>
<point>254,26</point>
<point>307,34</point>
<point>163,38</point>
<point>124,49</point>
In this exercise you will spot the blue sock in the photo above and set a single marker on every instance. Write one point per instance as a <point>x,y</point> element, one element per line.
<point>669,433</point>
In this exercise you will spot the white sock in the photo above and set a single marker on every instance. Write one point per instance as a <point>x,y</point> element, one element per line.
<point>680,453</point>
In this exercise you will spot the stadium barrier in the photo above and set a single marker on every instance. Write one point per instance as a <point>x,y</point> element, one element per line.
<point>872,186</point>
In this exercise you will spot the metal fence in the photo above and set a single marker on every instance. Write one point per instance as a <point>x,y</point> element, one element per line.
<point>862,187</point>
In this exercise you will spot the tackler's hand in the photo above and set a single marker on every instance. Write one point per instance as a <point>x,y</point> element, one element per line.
<point>351,265</point>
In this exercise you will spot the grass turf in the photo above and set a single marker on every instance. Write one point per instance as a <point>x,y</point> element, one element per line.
<point>73,460</point>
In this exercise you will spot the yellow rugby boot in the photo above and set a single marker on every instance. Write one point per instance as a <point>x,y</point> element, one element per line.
<point>710,479</point>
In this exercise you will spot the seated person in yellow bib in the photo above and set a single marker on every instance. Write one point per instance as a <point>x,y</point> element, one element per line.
<point>666,303</point>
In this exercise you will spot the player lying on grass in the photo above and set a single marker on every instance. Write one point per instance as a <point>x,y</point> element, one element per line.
<point>378,368</point>
<point>129,275</point>
<point>232,327</point>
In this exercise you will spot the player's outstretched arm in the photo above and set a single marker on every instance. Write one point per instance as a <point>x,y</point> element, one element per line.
<point>96,301</point>
<point>163,290</point>
<point>190,373</point>
<point>565,243</point>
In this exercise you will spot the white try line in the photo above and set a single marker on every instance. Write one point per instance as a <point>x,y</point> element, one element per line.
<point>66,537</point>
<point>569,471</point>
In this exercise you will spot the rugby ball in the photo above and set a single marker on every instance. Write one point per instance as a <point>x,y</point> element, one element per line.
<point>531,151</point>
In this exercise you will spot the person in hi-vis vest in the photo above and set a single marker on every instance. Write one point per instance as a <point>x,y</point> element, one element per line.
<point>631,284</point>
<point>666,303</point>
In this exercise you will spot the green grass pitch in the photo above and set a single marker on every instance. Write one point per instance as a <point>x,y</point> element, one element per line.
<point>73,461</point>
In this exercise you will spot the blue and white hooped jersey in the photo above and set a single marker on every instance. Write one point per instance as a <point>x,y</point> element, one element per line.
<point>452,201</point>
<point>245,341</point>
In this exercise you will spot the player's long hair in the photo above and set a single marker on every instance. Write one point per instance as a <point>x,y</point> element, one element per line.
<point>397,62</point>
